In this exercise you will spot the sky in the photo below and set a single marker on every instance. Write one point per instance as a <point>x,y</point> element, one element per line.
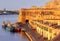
<point>17,4</point>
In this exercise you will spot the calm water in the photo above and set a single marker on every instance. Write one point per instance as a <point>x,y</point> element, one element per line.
<point>8,36</point>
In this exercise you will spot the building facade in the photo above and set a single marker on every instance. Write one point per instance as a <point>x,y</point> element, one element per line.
<point>45,20</point>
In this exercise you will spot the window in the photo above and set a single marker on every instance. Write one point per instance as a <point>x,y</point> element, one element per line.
<point>23,13</point>
<point>45,28</point>
<point>39,26</point>
<point>54,33</point>
<point>32,23</point>
<point>32,15</point>
<point>46,13</point>
<point>50,30</point>
<point>42,12</point>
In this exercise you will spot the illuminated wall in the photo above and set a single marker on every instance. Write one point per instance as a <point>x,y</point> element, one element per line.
<point>39,14</point>
<point>50,13</point>
<point>45,30</point>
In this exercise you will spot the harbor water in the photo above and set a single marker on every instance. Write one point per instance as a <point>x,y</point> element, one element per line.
<point>8,36</point>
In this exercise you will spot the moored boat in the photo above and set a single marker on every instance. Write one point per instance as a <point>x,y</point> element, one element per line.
<point>11,27</point>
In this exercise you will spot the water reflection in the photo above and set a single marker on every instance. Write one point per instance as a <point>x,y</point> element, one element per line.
<point>8,36</point>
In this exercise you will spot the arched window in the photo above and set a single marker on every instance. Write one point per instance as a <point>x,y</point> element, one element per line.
<point>23,13</point>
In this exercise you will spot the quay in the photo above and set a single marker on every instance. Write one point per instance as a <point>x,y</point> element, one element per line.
<point>32,36</point>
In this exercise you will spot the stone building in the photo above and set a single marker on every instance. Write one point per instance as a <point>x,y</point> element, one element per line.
<point>45,20</point>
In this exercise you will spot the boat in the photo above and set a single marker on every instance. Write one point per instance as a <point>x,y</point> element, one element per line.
<point>11,27</point>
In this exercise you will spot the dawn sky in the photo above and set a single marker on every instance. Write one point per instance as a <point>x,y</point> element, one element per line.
<point>17,4</point>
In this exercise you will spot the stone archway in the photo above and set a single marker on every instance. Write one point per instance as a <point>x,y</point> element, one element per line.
<point>27,21</point>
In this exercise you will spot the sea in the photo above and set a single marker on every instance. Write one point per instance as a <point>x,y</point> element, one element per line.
<point>9,36</point>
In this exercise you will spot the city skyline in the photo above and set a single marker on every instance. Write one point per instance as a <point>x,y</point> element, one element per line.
<point>17,4</point>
